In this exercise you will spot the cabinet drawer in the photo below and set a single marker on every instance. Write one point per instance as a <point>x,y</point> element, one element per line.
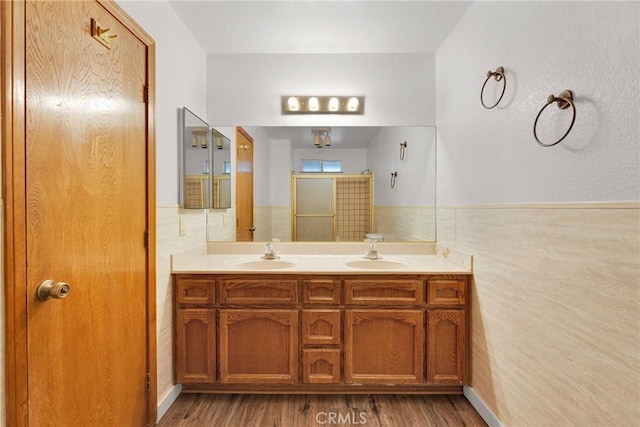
<point>195,291</point>
<point>258,292</point>
<point>321,327</point>
<point>446,292</point>
<point>380,292</point>
<point>319,291</point>
<point>321,366</point>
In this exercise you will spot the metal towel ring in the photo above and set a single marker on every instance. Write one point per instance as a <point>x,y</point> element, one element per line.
<point>497,75</point>
<point>394,176</point>
<point>564,100</point>
<point>403,150</point>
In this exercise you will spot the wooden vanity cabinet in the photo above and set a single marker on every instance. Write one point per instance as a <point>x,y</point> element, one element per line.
<point>195,330</point>
<point>321,333</point>
<point>447,335</point>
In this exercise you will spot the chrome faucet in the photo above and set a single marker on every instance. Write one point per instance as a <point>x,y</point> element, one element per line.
<point>269,252</point>
<point>372,252</point>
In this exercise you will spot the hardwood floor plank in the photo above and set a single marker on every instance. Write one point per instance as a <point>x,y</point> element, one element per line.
<point>282,410</point>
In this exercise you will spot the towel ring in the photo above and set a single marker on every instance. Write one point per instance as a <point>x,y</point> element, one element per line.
<point>497,75</point>
<point>394,176</point>
<point>403,150</point>
<point>564,100</point>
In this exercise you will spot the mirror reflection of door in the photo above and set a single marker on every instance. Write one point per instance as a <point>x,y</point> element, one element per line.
<point>244,186</point>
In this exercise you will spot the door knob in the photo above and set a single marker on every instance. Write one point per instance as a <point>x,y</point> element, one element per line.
<point>50,289</point>
<point>252,229</point>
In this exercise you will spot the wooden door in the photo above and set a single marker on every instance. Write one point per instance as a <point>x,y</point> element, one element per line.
<point>87,180</point>
<point>244,186</point>
<point>384,346</point>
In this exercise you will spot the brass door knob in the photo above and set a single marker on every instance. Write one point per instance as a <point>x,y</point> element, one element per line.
<point>50,289</point>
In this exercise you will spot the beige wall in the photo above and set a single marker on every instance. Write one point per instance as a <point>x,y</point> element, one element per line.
<point>405,223</point>
<point>169,241</point>
<point>272,222</point>
<point>555,303</point>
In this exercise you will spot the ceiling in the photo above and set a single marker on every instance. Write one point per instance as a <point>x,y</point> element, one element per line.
<point>320,26</point>
<point>341,136</point>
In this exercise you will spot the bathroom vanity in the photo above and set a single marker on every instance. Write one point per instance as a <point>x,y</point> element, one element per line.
<point>321,323</point>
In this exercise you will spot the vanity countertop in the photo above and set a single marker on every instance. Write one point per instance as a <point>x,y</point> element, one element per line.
<point>321,258</point>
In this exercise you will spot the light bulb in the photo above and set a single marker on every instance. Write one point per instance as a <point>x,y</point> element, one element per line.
<point>293,103</point>
<point>352,105</point>
<point>334,104</point>
<point>314,104</point>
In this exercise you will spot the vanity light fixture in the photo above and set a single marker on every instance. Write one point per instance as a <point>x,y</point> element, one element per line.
<point>294,104</point>
<point>318,141</point>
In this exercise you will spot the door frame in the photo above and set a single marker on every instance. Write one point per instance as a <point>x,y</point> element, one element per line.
<point>13,105</point>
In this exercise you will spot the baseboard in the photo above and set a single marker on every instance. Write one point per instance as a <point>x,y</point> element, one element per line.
<point>487,414</point>
<point>168,400</point>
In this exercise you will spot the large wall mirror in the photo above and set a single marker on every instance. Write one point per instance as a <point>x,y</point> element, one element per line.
<point>204,164</point>
<point>343,183</point>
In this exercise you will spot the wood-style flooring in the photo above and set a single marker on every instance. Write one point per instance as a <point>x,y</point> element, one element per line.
<point>247,410</point>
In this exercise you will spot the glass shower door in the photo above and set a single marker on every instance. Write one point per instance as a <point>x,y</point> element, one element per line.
<point>314,209</point>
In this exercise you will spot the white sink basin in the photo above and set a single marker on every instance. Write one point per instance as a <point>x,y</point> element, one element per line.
<point>265,264</point>
<point>375,264</point>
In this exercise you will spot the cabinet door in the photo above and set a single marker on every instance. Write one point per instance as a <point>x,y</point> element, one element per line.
<point>446,347</point>
<point>195,346</point>
<point>384,346</point>
<point>258,346</point>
